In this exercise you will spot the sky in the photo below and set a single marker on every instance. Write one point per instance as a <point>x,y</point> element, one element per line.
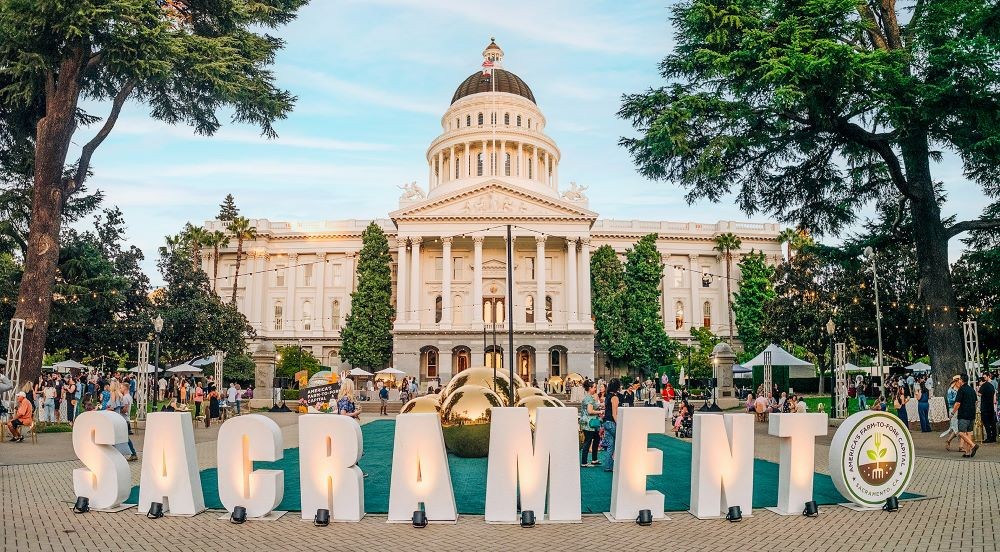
<point>373,78</point>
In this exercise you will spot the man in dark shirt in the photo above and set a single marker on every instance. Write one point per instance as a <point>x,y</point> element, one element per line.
<point>965,410</point>
<point>988,408</point>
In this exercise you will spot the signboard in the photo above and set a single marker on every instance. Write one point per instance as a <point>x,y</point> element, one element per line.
<point>871,458</point>
<point>320,393</point>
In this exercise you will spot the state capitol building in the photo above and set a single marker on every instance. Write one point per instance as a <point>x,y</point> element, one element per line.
<point>492,165</point>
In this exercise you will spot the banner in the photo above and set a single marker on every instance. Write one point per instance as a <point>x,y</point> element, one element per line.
<point>320,393</point>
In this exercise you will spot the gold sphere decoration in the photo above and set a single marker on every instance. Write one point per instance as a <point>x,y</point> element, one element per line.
<point>528,391</point>
<point>534,402</point>
<point>484,376</point>
<point>574,378</point>
<point>428,404</point>
<point>465,420</point>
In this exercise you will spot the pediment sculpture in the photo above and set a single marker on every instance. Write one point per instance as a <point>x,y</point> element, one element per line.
<point>411,192</point>
<point>575,193</point>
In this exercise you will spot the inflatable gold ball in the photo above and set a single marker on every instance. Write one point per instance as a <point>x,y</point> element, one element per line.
<point>498,382</point>
<point>534,402</point>
<point>428,404</point>
<point>528,391</point>
<point>465,420</point>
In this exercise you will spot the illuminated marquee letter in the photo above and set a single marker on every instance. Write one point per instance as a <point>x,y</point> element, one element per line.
<point>169,469</point>
<point>550,465</point>
<point>721,464</point>
<point>633,462</point>
<point>797,453</point>
<point>106,478</point>
<point>420,470</point>
<point>243,440</point>
<point>329,450</point>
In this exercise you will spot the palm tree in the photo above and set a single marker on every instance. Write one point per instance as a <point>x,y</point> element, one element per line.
<point>195,236</point>
<point>787,237</point>
<point>172,242</point>
<point>242,231</point>
<point>725,244</point>
<point>216,239</point>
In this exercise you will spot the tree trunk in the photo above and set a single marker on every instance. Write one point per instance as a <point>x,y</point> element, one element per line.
<point>215,266</point>
<point>236,277</point>
<point>49,194</point>
<point>935,291</point>
<point>729,295</point>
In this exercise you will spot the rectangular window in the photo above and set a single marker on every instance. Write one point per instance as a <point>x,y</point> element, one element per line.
<point>395,272</point>
<point>530,267</point>
<point>548,269</point>
<point>307,274</point>
<point>706,277</point>
<point>338,275</point>
<point>279,276</point>
<point>278,315</point>
<point>438,268</point>
<point>456,269</point>
<point>678,276</point>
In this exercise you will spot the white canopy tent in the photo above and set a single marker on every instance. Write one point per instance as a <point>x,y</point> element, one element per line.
<point>995,363</point>
<point>149,369</point>
<point>919,367</point>
<point>797,368</point>
<point>67,365</point>
<point>359,372</point>
<point>391,372</point>
<point>184,369</point>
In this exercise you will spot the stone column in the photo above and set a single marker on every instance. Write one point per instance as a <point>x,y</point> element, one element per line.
<point>543,171</point>
<point>534,164</point>
<point>555,174</point>
<point>572,310</point>
<point>415,279</point>
<point>477,281</point>
<point>402,281</point>
<point>502,160</point>
<point>520,160</point>
<point>540,322</point>
<point>665,299</point>
<point>430,173</point>
<point>466,156</point>
<point>446,285</point>
<point>291,283</point>
<point>320,274</point>
<point>349,278</point>
<point>440,168</point>
<point>486,160</point>
<point>451,164</point>
<point>263,361</point>
<point>585,280</point>
<point>694,279</point>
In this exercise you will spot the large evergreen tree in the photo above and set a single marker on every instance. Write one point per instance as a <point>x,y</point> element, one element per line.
<point>187,60</point>
<point>810,111</point>
<point>607,284</point>
<point>749,303</point>
<point>648,344</point>
<point>367,334</point>
<point>227,209</point>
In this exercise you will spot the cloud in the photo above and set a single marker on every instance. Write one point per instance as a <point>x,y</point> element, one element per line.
<point>301,77</point>
<point>235,135</point>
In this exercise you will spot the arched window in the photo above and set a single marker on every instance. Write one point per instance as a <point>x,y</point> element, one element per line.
<point>506,119</point>
<point>429,362</point>
<point>530,172</point>
<point>555,362</point>
<point>279,315</point>
<point>493,118</point>
<point>707,314</point>
<point>529,122</point>
<point>458,122</point>
<point>518,120</point>
<point>678,315</point>
<point>548,308</point>
<point>529,309</point>
<point>461,358</point>
<point>479,164</point>
<point>438,306</point>
<point>524,363</point>
<point>307,314</point>
<point>480,119</point>
<point>506,165</point>
<point>494,357</point>
<point>468,120</point>
<point>335,315</point>
<point>458,166</point>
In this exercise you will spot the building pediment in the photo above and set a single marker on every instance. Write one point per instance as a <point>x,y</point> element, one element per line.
<point>494,200</point>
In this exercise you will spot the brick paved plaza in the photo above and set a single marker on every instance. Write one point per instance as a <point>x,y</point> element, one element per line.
<point>959,514</point>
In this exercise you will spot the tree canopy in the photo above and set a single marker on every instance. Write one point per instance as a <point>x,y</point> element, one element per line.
<point>750,302</point>
<point>648,344</point>
<point>608,290</point>
<point>367,334</point>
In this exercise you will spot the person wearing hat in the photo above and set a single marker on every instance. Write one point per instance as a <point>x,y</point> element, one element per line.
<point>22,417</point>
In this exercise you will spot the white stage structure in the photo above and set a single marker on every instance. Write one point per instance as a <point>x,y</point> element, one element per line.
<point>970,329</point>
<point>840,370</point>
<point>15,345</point>
<point>142,383</point>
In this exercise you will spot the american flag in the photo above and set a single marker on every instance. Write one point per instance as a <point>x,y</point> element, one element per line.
<point>487,68</point>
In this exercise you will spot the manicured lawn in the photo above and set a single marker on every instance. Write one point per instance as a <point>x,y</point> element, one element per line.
<point>814,402</point>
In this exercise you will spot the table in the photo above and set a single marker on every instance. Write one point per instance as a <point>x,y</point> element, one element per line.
<point>938,410</point>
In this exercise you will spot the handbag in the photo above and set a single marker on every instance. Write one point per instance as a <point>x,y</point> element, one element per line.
<point>594,422</point>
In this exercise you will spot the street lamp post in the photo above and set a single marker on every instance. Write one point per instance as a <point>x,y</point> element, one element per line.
<point>870,257</point>
<point>157,328</point>
<point>830,328</point>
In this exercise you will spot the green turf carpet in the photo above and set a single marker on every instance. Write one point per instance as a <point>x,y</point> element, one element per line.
<point>468,478</point>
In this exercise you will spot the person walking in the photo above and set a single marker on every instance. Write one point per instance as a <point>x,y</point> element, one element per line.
<point>900,405</point>
<point>49,402</point>
<point>949,398</point>
<point>860,388</point>
<point>965,410</point>
<point>668,401</point>
<point>199,397</point>
<point>924,405</point>
<point>383,397</point>
<point>988,408</point>
<point>612,401</point>
<point>590,422</point>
